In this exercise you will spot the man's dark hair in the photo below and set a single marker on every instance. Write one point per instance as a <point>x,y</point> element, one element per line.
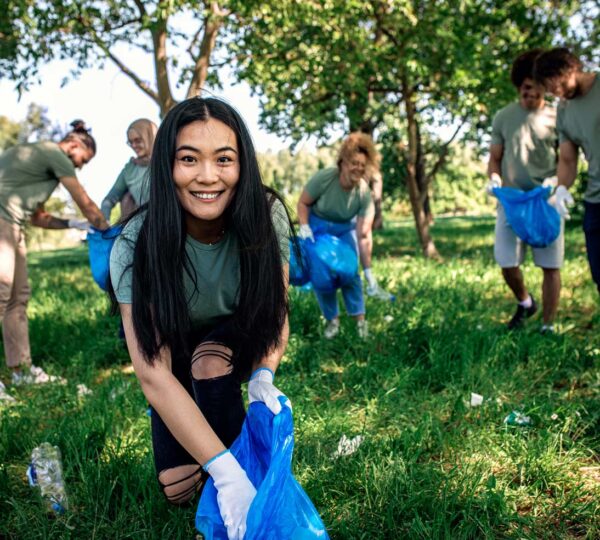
<point>555,63</point>
<point>159,302</point>
<point>522,67</point>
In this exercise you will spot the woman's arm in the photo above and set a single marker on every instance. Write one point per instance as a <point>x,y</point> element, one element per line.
<point>365,240</point>
<point>170,399</point>
<point>304,203</point>
<point>114,196</point>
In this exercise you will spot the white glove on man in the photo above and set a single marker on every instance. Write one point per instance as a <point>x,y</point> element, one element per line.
<point>551,181</point>
<point>261,388</point>
<point>80,224</point>
<point>235,492</point>
<point>306,233</point>
<point>563,199</point>
<point>494,182</point>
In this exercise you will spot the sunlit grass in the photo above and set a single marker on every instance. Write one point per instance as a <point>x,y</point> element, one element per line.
<point>430,466</point>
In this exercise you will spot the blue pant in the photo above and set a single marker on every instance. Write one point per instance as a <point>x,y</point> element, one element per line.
<point>591,228</point>
<point>351,291</point>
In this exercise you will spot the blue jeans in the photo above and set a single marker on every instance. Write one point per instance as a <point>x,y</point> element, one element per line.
<point>351,291</point>
<point>591,228</point>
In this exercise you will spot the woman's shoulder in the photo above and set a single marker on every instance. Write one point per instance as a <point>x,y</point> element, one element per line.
<point>132,228</point>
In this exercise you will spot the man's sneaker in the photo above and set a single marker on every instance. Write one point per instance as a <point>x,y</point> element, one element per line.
<point>380,294</point>
<point>36,375</point>
<point>547,329</point>
<point>4,395</point>
<point>362,327</point>
<point>332,329</point>
<point>521,314</point>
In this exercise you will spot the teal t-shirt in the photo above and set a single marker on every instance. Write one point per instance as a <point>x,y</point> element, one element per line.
<point>29,173</point>
<point>579,122</point>
<point>216,266</point>
<point>133,178</point>
<point>529,141</point>
<point>333,203</point>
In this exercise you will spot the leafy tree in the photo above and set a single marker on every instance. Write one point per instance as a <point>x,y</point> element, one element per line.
<point>178,35</point>
<point>439,66</point>
<point>36,126</point>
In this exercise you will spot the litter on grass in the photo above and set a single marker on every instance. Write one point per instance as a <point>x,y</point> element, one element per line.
<point>517,418</point>
<point>347,446</point>
<point>388,318</point>
<point>476,400</point>
<point>83,390</point>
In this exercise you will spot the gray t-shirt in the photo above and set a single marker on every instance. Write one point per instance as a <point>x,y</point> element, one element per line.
<point>579,122</point>
<point>217,268</point>
<point>29,173</point>
<point>333,203</point>
<point>530,141</point>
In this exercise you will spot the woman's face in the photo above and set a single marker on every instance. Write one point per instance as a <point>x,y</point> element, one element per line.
<point>135,140</point>
<point>206,170</point>
<point>353,169</point>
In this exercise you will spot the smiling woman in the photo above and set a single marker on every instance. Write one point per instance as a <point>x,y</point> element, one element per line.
<point>200,277</point>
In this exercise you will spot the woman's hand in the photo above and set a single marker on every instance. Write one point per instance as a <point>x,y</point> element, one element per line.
<point>261,388</point>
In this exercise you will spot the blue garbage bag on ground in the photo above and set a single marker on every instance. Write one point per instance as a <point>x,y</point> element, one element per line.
<point>100,244</point>
<point>530,215</point>
<point>281,509</point>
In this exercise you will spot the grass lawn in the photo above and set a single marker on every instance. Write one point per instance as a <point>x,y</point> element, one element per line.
<point>430,466</point>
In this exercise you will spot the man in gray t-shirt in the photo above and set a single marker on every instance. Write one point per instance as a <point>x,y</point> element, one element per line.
<point>522,156</point>
<point>561,72</point>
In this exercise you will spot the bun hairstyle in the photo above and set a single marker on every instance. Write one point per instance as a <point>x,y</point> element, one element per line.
<point>82,134</point>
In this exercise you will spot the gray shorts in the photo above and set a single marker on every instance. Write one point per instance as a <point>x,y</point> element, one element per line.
<point>509,249</point>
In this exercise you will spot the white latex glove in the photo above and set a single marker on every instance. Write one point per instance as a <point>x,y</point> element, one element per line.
<point>563,199</point>
<point>373,288</point>
<point>80,224</point>
<point>235,492</point>
<point>551,181</point>
<point>261,388</point>
<point>306,233</point>
<point>494,182</point>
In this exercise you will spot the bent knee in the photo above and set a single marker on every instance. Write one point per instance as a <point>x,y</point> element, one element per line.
<point>211,360</point>
<point>180,484</point>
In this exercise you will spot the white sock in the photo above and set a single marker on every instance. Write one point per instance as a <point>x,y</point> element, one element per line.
<point>527,303</point>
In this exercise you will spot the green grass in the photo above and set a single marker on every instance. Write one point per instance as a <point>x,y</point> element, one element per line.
<point>429,467</point>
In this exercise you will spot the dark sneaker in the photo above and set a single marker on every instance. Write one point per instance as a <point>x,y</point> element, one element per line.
<point>521,314</point>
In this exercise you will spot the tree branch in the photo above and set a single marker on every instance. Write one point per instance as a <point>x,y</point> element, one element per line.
<point>443,154</point>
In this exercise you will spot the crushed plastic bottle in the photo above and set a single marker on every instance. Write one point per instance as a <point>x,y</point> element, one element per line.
<point>45,471</point>
<point>517,418</point>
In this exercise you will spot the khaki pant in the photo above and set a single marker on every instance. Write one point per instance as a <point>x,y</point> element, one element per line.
<point>14,294</point>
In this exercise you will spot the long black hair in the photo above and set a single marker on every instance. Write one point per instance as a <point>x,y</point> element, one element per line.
<point>160,311</point>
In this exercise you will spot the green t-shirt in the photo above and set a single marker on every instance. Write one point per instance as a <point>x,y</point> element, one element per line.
<point>579,122</point>
<point>530,140</point>
<point>333,203</point>
<point>29,173</point>
<point>217,268</point>
<point>135,179</point>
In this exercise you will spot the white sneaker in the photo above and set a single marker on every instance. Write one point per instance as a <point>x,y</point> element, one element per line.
<point>380,294</point>
<point>4,395</point>
<point>362,327</point>
<point>332,329</point>
<point>36,375</point>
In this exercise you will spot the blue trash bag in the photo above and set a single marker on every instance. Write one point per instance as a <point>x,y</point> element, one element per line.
<point>100,244</point>
<point>321,276</point>
<point>281,509</point>
<point>338,255</point>
<point>530,215</point>
<point>299,274</point>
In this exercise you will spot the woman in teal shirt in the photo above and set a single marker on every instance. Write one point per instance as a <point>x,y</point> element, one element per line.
<point>131,186</point>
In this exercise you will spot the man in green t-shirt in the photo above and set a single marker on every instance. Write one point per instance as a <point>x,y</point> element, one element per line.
<point>29,173</point>
<point>561,72</point>
<point>522,155</point>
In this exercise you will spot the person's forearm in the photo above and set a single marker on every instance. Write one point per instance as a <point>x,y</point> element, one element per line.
<point>272,360</point>
<point>365,248</point>
<point>182,417</point>
<point>94,215</point>
<point>106,207</point>
<point>48,221</point>
<point>566,172</point>
<point>494,166</point>
<point>303,213</point>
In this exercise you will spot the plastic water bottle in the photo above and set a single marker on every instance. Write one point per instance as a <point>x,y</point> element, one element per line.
<point>45,470</point>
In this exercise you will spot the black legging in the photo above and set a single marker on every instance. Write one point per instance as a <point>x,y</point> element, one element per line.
<point>591,228</point>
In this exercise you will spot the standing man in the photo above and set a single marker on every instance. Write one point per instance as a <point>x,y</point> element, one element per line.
<point>561,73</point>
<point>522,155</point>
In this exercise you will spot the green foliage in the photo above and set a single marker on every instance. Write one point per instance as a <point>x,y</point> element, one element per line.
<point>36,126</point>
<point>429,467</point>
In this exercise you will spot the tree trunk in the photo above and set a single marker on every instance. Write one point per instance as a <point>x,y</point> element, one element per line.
<point>422,182</point>
<point>159,40</point>
<point>416,196</point>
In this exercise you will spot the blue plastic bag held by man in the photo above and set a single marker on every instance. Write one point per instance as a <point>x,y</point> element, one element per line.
<point>529,214</point>
<point>281,509</point>
<point>100,244</point>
